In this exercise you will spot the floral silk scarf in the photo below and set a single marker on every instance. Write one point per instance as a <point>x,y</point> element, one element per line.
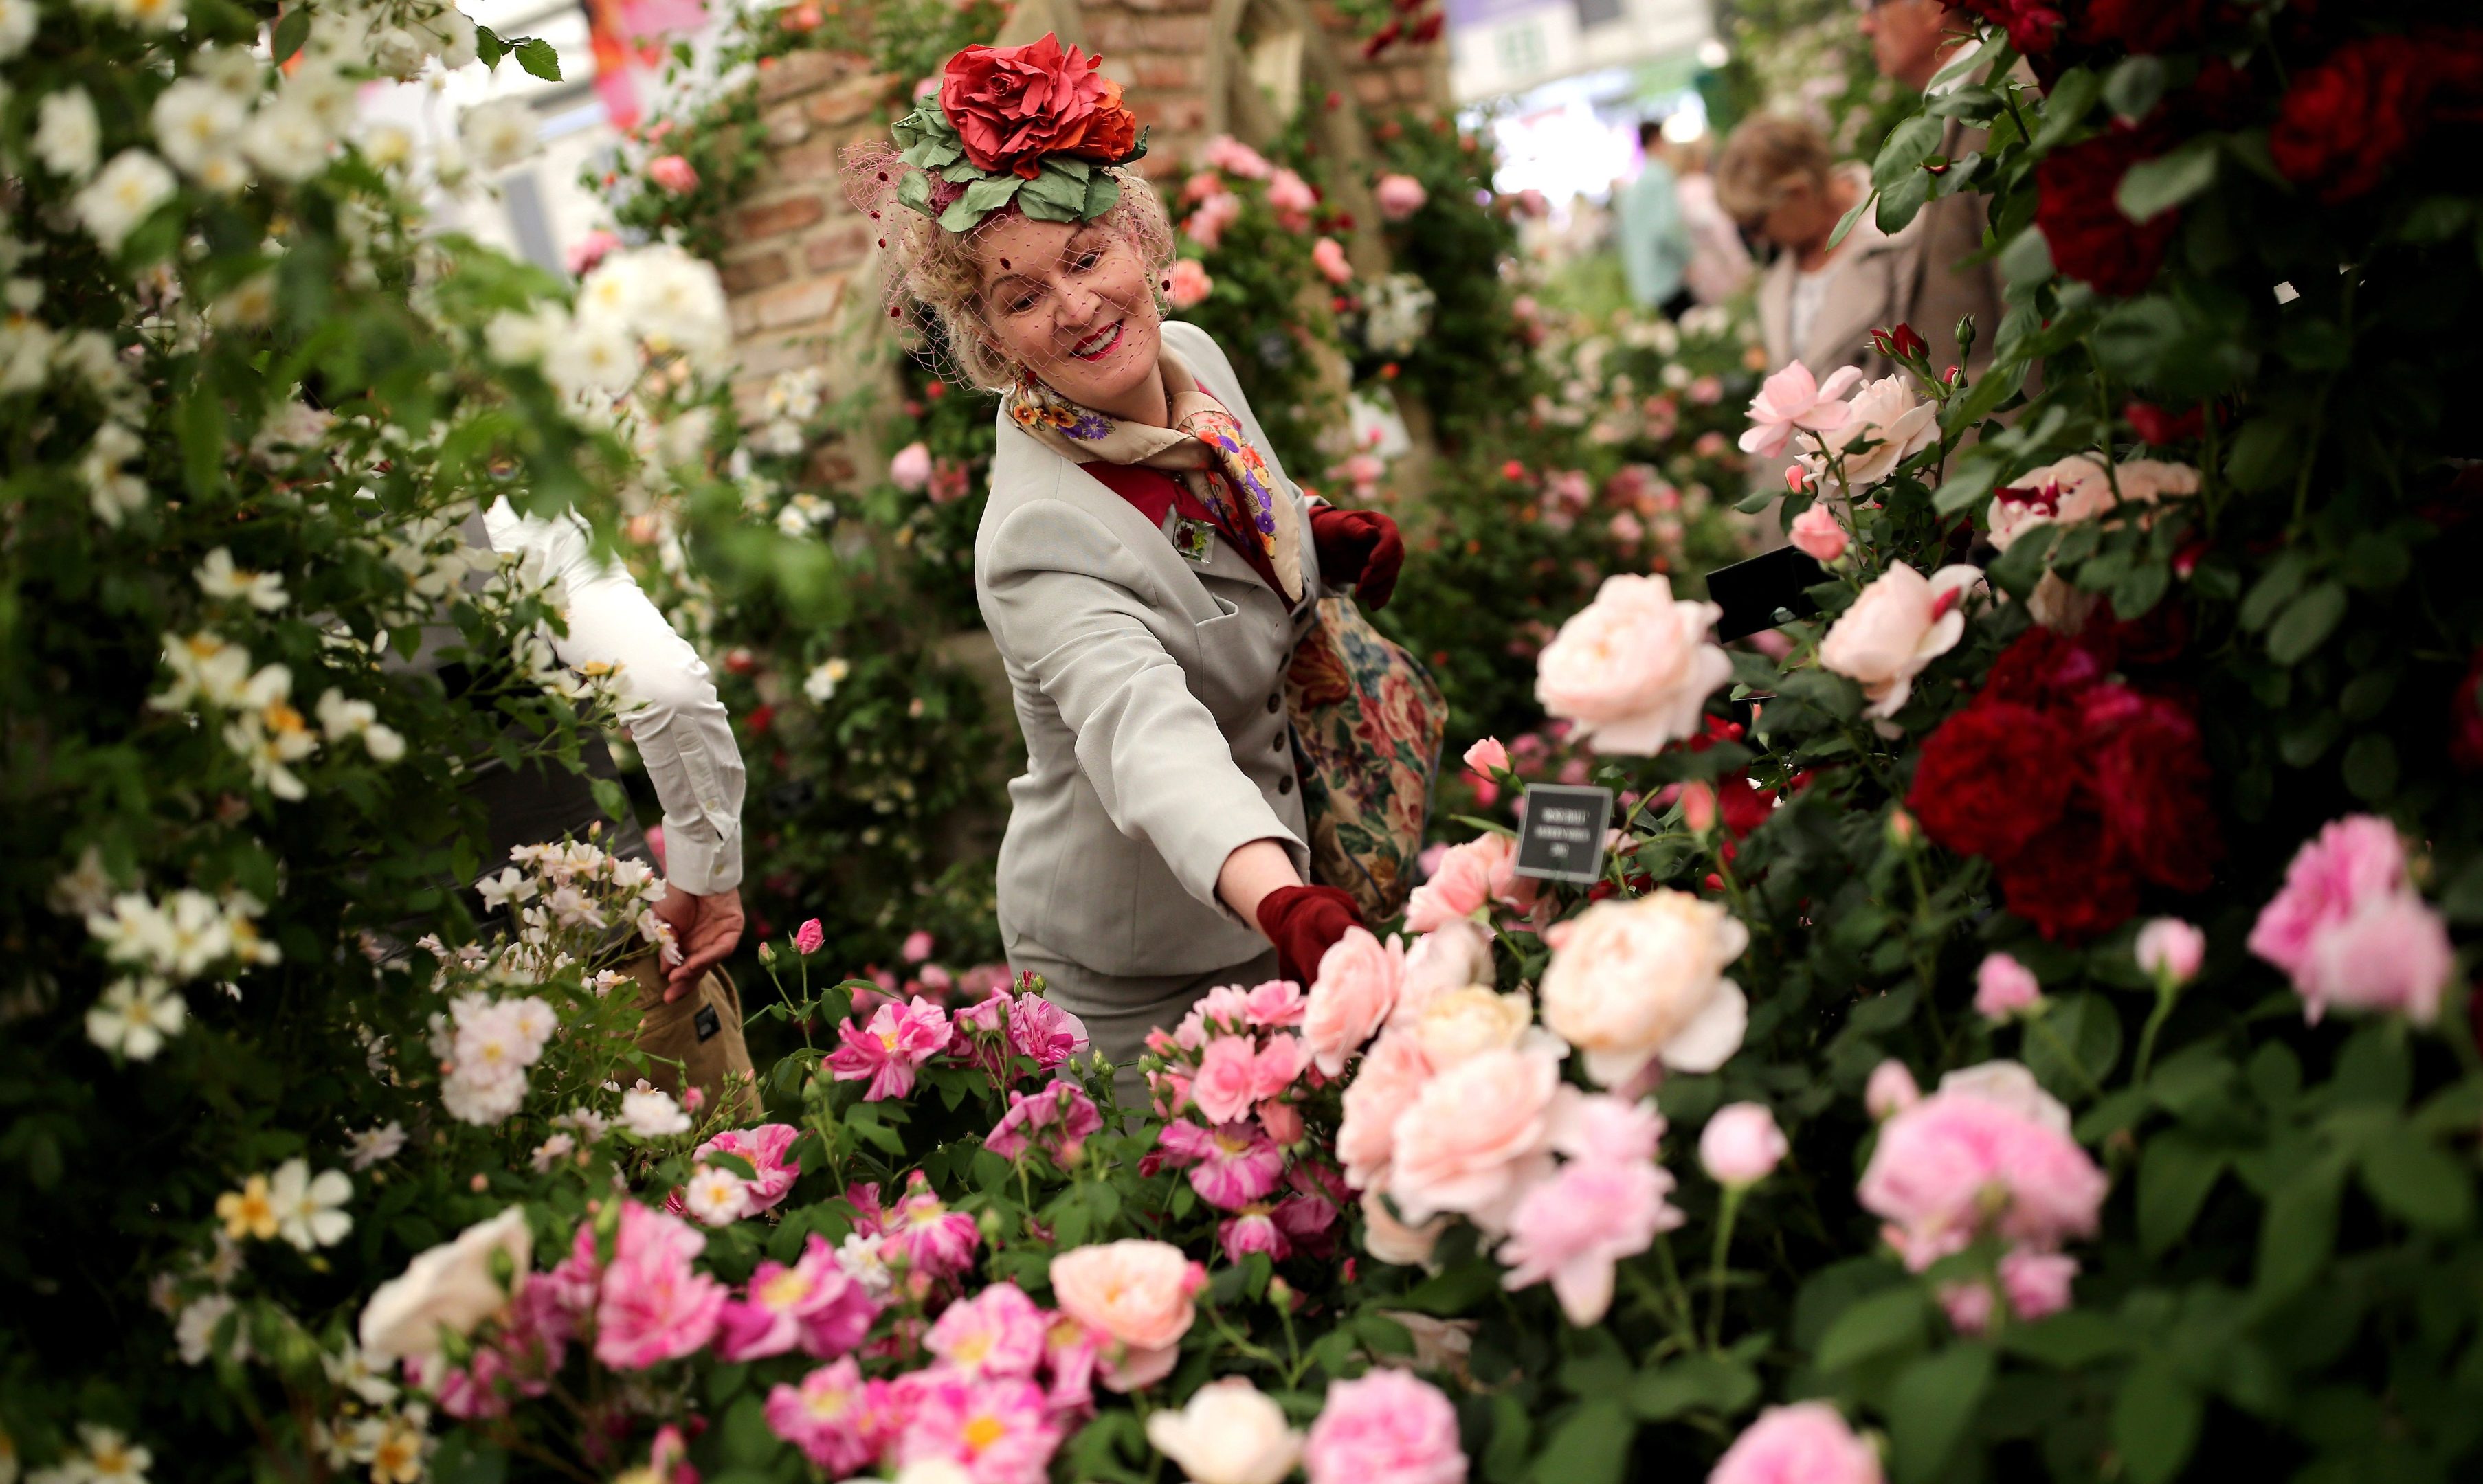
<point>1205,445</point>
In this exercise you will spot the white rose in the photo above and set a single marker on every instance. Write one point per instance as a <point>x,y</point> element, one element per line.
<point>2075,488</point>
<point>1229,1434</point>
<point>499,133</point>
<point>1452,956</point>
<point>125,194</point>
<point>1639,981</point>
<point>19,19</point>
<point>1887,411</point>
<point>287,139</point>
<point>197,121</point>
<point>653,1114</point>
<point>397,52</point>
<point>67,138</point>
<point>1902,621</point>
<point>451,1286</point>
<point>1633,669</point>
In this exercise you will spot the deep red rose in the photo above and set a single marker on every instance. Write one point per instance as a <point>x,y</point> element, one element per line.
<point>2160,426</point>
<point>2465,722</point>
<point>2145,25</point>
<point>2068,882</point>
<point>2081,222</point>
<point>1013,105</point>
<point>1992,777</point>
<point>2046,668</point>
<point>2345,120</point>
<point>1742,804</point>
<point>2150,777</point>
<point>2158,638</point>
<point>2033,26</point>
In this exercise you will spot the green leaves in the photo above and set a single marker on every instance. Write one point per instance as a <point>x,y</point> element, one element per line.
<point>982,197</point>
<point>294,29</point>
<point>1890,1319</point>
<point>2155,1420</point>
<point>538,58</point>
<point>1932,1406</point>
<point>2176,1173</point>
<point>2306,623</point>
<point>2153,187</point>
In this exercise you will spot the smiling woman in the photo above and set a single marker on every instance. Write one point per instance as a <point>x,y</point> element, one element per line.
<point>1145,567</point>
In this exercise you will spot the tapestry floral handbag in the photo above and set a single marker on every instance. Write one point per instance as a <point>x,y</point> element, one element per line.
<point>1367,723</point>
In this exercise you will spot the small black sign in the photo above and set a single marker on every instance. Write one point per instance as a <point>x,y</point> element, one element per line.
<point>1561,837</point>
<point>1763,591</point>
<point>706,1022</point>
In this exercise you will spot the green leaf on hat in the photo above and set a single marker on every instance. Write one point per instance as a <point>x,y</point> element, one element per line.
<point>1070,165</point>
<point>1054,196</point>
<point>1101,193</point>
<point>915,191</point>
<point>960,172</point>
<point>1138,150</point>
<point>982,198</point>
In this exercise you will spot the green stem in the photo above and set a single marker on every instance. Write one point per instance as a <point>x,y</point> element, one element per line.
<point>1716,1269</point>
<point>2167,992</point>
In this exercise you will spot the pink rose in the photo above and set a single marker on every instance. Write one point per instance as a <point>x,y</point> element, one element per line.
<point>1385,1427</point>
<point>765,1148</point>
<point>1455,889</point>
<point>1328,257</point>
<point>1486,757</point>
<point>1634,669</point>
<point>998,1331</point>
<point>1636,982</point>
<point>998,1430</point>
<point>1206,226</point>
<point>2004,987</point>
<point>1805,1444</point>
<point>2392,954</point>
<point>1386,1083</point>
<point>1816,533</point>
<point>1741,1145</point>
<point>2352,860</point>
<point>1357,984</point>
<point>1288,192</point>
<point>1138,1294</point>
<point>1274,1004</point>
<point>1399,196</point>
<point>911,468</point>
<point>1452,956</point>
<point>674,173</point>
<point>1229,155</point>
<point>917,946</point>
<point>2037,1284</point>
<point>1281,1060</point>
<point>652,1306</point>
<point>1186,284</point>
<point>2171,950</point>
<point>1901,623</point>
<point>1224,1087</point>
<point>1885,413</point>
<point>590,250</point>
<point>837,1419</point>
<point>1792,401</point>
<point>2079,489</point>
<point>813,1304</point>
<point>1229,1167</point>
<point>1599,1127</point>
<point>810,937</point>
<point>1058,1121</point>
<point>1954,1165</point>
<point>1476,1135</point>
<point>887,1052</point>
<point>1890,1090</point>
<point>1282,1121</point>
<point>1573,1227</point>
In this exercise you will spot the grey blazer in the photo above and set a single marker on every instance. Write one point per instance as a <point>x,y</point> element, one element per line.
<point>1151,695</point>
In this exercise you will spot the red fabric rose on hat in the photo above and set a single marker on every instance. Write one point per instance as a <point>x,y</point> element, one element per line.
<point>2077,209</point>
<point>1013,105</point>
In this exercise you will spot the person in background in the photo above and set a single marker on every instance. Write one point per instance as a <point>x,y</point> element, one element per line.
<point>1719,261</point>
<point>1654,240</point>
<point>1911,40</point>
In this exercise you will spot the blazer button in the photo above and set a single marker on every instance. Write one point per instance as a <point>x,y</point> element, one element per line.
<point>1285,784</point>
<point>1280,742</point>
<point>1275,701</point>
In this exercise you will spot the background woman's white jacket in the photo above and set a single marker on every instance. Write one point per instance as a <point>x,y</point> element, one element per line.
<point>1151,694</point>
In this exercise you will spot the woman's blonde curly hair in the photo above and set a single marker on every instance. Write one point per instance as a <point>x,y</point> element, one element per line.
<point>934,273</point>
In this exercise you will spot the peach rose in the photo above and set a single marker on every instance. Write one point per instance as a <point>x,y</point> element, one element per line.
<point>1476,1135</point>
<point>1885,410</point>
<point>1357,987</point>
<point>1186,284</point>
<point>1465,1023</point>
<point>2078,489</point>
<point>1642,981</point>
<point>1137,1294</point>
<point>1452,956</point>
<point>1391,1240</point>
<point>1633,669</point>
<point>1902,621</point>
<point>1383,1086</point>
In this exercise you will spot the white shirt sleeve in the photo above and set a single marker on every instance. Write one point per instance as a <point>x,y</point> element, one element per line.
<point>667,695</point>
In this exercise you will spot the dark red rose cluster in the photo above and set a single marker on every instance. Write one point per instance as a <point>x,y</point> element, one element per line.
<point>2347,120</point>
<point>2077,209</point>
<point>1013,105</point>
<point>2077,786</point>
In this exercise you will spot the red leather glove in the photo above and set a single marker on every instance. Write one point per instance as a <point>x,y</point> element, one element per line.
<point>1360,546</point>
<point>1304,922</point>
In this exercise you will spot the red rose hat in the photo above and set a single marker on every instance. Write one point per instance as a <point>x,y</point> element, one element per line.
<point>1032,126</point>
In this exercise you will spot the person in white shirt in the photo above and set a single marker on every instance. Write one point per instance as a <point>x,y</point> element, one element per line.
<point>682,731</point>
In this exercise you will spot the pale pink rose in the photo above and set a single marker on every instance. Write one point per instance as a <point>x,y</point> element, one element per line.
<point>1598,1126</point>
<point>1200,185</point>
<point>1138,1294</point>
<point>1206,226</point>
<point>674,173</point>
<point>1276,1003</point>
<point>1952,1166</point>
<point>1463,880</point>
<point>1816,533</point>
<point>1707,391</point>
<point>1626,529</point>
<point>1901,623</point>
<point>1399,197</point>
<point>2351,861</point>
<point>1229,155</point>
<point>1289,193</point>
<point>1328,257</point>
<point>2148,481</point>
<point>2004,987</point>
<point>2073,489</point>
<point>1486,757</point>
<point>1186,284</point>
<point>1386,1083</point>
<point>1391,1240</point>
<point>1636,982</point>
<point>1805,1444</point>
<point>1741,1145</point>
<point>1357,984</point>
<point>917,947</point>
<point>1887,411</point>
<point>2171,949</point>
<point>1451,956</point>
<point>1385,1427</point>
<point>651,1306</point>
<point>2011,1085</point>
<point>1890,1090</point>
<point>1794,401</point>
<point>998,1331</point>
<point>1476,1135</point>
<point>1224,1087</point>
<point>2036,1282</point>
<point>1283,1123</point>
<point>1572,1227</point>
<point>591,250</point>
<point>1634,669</point>
<point>1278,1062</point>
<point>2392,954</point>
<point>911,467</point>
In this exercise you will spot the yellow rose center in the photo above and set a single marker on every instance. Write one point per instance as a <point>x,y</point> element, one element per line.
<point>984,1431</point>
<point>786,1289</point>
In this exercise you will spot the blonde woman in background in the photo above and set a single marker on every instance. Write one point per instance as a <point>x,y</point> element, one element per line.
<point>1720,263</point>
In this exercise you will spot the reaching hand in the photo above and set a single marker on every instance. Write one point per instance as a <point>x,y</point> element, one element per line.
<point>705,928</point>
<point>1304,922</point>
<point>1360,546</point>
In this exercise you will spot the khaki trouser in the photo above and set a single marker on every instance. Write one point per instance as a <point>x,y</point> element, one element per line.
<point>699,1032</point>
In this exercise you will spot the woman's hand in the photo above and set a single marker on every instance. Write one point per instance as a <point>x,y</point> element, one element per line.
<point>1359,546</point>
<point>1304,922</point>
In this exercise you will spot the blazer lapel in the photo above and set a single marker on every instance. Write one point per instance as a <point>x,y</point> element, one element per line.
<point>1021,461</point>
